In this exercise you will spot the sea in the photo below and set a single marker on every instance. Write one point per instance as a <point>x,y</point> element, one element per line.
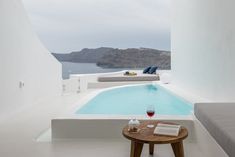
<point>84,68</point>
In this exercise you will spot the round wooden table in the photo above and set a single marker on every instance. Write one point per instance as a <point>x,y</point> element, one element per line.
<point>145,135</point>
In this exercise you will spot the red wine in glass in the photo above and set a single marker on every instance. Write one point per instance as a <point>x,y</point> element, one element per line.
<point>150,112</point>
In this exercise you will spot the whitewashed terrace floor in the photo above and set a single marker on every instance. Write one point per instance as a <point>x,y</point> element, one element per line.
<point>115,148</point>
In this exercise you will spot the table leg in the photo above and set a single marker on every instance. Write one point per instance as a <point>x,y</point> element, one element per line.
<point>151,149</point>
<point>136,149</point>
<point>178,149</point>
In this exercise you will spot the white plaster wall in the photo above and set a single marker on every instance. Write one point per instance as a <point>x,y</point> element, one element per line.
<point>23,58</point>
<point>203,47</point>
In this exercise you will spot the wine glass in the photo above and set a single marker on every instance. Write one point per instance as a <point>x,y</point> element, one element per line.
<point>150,112</point>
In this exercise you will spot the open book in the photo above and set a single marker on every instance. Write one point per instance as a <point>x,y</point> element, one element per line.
<point>167,129</point>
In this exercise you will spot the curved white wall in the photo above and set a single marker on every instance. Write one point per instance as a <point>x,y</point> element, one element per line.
<point>23,58</point>
<point>203,47</point>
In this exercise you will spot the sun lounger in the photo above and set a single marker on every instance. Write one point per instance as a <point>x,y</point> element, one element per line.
<point>125,78</point>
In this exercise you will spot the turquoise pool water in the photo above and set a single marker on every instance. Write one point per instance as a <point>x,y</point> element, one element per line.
<point>133,100</point>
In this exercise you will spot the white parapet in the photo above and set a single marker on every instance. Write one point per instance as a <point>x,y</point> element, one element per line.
<point>81,82</point>
<point>72,128</point>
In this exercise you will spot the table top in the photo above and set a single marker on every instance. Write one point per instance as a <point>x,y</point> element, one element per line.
<point>145,135</point>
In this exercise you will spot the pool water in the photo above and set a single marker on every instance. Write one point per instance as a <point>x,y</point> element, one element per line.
<point>133,100</point>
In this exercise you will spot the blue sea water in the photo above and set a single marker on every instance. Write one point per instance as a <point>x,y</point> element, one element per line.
<point>84,68</point>
<point>133,100</point>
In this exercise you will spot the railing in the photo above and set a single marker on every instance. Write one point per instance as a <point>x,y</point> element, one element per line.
<point>79,82</point>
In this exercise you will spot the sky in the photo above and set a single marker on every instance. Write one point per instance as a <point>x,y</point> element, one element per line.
<point>64,26</point>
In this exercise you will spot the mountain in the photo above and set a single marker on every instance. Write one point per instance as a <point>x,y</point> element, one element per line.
<point>84,56</point>
<point>119,58</point>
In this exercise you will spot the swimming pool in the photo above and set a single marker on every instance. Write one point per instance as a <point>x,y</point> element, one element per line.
<point>133,100</point>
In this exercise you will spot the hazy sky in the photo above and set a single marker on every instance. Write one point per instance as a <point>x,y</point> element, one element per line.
<point>69,25</point>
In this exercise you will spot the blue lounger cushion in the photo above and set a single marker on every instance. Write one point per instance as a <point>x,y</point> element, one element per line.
<point>153,70</point>
<point>146,70</point>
